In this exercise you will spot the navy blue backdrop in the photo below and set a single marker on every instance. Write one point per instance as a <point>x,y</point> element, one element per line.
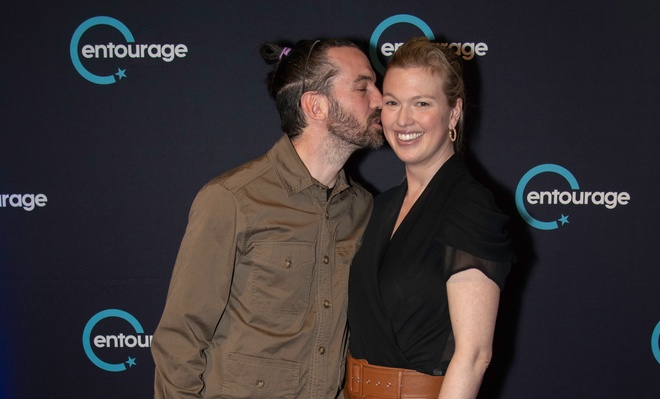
<point>114,114</point>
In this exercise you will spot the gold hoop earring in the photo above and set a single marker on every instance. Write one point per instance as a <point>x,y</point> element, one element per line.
<point>452,134</point>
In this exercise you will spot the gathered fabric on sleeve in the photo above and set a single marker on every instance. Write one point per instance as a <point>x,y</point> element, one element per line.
<point>474,233</point>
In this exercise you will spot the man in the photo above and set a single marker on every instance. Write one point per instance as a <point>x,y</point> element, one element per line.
<point>257,302</point>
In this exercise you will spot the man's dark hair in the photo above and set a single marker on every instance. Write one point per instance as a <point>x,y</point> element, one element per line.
<point>298,69</point>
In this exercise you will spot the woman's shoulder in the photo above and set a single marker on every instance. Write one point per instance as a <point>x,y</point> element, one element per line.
<point>468,192</point>
<point>474,222</point>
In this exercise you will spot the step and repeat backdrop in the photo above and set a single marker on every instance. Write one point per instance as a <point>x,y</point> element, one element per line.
<point>114,115</point>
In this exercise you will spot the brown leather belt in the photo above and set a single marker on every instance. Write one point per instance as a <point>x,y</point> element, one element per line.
<point>364,381</point>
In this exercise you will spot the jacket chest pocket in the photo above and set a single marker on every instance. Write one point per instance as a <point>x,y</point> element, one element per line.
<point>281,278</point>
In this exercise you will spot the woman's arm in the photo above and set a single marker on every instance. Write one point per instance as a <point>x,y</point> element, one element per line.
<point>473,302</point>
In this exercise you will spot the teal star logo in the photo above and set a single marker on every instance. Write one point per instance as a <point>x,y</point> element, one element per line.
<point>121,73</point>
<point>563,219</point>
<point>131,362</point>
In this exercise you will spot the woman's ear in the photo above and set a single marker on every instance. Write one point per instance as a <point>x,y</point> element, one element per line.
<point>455,114</point>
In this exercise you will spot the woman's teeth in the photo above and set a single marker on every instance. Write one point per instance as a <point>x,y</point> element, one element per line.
<point>409,136</point>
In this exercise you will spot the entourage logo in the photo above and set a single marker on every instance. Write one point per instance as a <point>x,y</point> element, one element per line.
<point>26,201</point>
<point>166,52</point>
<point>655,342</point>
<point>119,343</point>
<point>377,50</point>
<point>557,196</point>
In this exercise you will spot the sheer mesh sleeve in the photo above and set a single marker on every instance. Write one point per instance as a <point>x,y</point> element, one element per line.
<point>457,261</point>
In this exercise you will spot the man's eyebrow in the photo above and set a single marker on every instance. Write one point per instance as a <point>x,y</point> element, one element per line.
<point>362,78</point>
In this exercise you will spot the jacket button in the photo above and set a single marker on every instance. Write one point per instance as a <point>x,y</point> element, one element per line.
<point>326,260</point>
<point>287,263</point>
<point>322,349</point>
<point>326,303</point>
<point>260,383</point>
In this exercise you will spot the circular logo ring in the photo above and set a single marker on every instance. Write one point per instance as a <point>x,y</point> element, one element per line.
<point>520,191</point>
<point>655,342</point>
<point>75,41</point>
<point>393,20</point>
<point>87,336</point>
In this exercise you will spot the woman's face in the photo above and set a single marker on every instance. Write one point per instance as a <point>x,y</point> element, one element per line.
<point>416,117</point>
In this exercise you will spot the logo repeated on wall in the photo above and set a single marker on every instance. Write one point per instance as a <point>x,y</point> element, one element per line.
<point>117,343</point>
<point>556,197</point>
<point>119,51</point>
<point>385,50</point>
<point>26,201</point>
<point>655,342</point>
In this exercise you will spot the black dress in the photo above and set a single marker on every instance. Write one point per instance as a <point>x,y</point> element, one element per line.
<point>398,312</point>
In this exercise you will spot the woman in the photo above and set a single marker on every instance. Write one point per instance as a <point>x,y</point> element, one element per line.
<point>424,287</point>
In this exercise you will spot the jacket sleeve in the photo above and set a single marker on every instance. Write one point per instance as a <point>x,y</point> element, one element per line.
<point>197,294</point>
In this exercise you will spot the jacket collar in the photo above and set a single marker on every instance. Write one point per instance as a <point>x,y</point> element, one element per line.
<point>293,173</point>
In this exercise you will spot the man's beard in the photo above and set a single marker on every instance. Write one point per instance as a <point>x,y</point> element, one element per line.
<point>348,129</point>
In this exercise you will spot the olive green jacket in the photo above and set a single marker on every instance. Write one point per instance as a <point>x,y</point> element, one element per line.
<point>257,301</point>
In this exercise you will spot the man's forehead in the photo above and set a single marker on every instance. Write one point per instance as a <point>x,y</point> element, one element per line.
<point>352,63</point>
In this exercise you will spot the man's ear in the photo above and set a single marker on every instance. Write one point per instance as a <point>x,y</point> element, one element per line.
<point>315,105</point>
